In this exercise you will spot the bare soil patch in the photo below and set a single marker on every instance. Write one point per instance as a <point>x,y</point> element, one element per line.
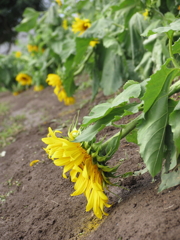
<point>35,202</point>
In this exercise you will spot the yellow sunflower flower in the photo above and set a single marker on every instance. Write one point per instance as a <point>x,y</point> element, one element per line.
<point>86,175</point>
<point>64,24</point>
<point>32,48</point>
<point>55,81</point>
<point>62,96</point>
<point>93,43</point>
<point>80,25</point>
<point>178,8</point>
<point>59,2</point>
<point>146,14</point>
<point>38,88</point>
<point>18,54</point>
<point>24,79</point>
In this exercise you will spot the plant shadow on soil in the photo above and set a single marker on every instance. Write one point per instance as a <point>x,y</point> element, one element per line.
<point>35,202</point>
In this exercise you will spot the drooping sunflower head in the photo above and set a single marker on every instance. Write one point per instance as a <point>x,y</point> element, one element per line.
<point>55,81</point>
<point>80,25</point>
<point>62,96</point>
<point>24,79</point>
<point>87,176</point>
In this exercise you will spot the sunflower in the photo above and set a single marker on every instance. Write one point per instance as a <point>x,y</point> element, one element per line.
<point>55,81</point>
<point>86,175</point>
<point>80,25</point>
<point>65,24</point>
<point>93,43</point>
<point>62,96</point>
<point>18,54</point>
<point>24,79</point>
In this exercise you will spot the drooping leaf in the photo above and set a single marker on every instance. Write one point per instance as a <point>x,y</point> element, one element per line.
<point>176,47</point>
<point>174,26</point>
<point>151,133</point>
<point>174,122</point>
<point>156,83</point>
<point>112,78</point>
<point>103,109</point>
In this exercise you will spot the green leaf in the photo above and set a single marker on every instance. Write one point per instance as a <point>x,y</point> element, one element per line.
<point>112,78</point>
<point>98,29</point>
<point>170,153</point>
<point>29,20</point>
<point>176,47</point>
<point>81,47</point>
<point>136,27</point>
<point>103,109</point>
<point>151,134</point>
<point>174,26</point>
<point>156,83</point>
<point>170,179</point>
<point>68,48</point>
<point>132,137</point>
<point>174,122</point>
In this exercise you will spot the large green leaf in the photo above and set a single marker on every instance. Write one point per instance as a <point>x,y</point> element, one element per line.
<point>151,134</point>
<point>112,116</point>
<point>112,78</point>
<point>174,26</point>
<point>155,85</point>
<point>176,47</point>
<point>103,109</point>
<point>174,122</point>
<point>136,27</point>
<point>81,48</point>
<point>29,20</point>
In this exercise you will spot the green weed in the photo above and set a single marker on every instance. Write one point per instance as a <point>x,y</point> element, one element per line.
<point>4,108</point>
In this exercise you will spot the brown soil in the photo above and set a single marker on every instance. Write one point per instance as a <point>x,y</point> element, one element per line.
<point>38,205</point>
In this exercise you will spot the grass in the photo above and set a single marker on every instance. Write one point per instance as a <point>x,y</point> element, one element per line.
<point>4,109</point>
<point>10,126</point>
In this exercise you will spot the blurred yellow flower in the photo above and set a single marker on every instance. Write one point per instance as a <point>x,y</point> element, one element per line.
<point>58,2</point>
<point>38,88</point>
<point>146,14</point>
<point>64,24</point>
<point>32,48</point>
<point>86,175</point>
<point>55,81</point>
<point>16,93</point>
<point>62,96</point>
<point>178,8</point>
<point>80,25</point>
<point>93,43</point>
<point>24,79</point>
<point>33,162</point>
<point>18,54</point>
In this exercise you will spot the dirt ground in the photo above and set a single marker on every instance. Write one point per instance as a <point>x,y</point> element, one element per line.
<point>35,202</point>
